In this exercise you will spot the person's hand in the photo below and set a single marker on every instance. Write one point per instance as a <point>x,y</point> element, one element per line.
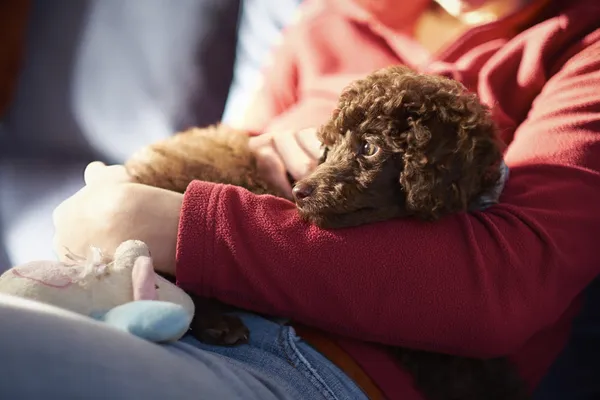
<point>293,152</point>
<point>110,209</point>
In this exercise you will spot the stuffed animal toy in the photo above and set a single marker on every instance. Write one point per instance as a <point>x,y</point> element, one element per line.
<point>124,292</point>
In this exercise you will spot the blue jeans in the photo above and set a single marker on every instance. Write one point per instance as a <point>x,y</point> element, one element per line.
<point>48,353</point>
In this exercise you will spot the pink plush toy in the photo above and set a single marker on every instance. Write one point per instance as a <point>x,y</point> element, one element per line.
<point>124,291</point>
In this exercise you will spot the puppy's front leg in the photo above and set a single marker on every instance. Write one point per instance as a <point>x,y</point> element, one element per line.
<point>212,325</point>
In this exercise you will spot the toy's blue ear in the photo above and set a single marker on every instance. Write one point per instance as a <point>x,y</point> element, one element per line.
<point>156,321</point>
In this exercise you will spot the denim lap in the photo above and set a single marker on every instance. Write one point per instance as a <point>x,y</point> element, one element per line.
<point>276,352</point>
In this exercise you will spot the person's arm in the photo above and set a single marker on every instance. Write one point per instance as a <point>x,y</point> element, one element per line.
<point>260,27</point>
<point>277,90</point>
<point>477,284</point>
<point>280,85</point>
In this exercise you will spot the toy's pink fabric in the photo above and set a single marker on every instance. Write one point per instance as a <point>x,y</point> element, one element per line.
<point>49,273</point>
<point>144,280</point>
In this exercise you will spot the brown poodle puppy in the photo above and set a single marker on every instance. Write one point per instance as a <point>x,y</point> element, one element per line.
<point>400,144</point>
<point>215,154</point>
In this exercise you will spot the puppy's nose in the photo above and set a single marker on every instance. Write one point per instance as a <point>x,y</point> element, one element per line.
<point>302,190</point>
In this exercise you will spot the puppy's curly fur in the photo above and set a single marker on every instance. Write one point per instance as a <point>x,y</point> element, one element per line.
<point>215,154</point>
<point>433,150</point>
<point>400,144</point>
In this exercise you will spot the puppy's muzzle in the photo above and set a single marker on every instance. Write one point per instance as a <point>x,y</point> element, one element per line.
<point>302,190</point>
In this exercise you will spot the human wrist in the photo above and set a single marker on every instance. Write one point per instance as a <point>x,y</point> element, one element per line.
<point>157,223</point>
<point>173,203</point>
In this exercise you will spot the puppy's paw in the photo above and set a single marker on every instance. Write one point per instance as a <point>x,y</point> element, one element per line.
<point>220,330</point>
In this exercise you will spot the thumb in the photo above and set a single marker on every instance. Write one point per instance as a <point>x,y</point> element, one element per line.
<point>98,172</point>
<point>271,168</point>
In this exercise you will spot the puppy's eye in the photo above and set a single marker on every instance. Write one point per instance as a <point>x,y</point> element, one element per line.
<point>368,149</point>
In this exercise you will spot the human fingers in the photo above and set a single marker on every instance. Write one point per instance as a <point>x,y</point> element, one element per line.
<point>307,138</point>
<point>265,139</point>
<point>97,172</point>
<point>297,161</point>
<point>272,168</point>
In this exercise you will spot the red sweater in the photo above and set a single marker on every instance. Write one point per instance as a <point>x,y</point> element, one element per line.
<point>504,282</point>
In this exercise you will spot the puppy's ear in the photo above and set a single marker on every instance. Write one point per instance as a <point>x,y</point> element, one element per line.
<point>431,173</point>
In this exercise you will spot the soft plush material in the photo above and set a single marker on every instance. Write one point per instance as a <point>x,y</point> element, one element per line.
<point>125,293</point>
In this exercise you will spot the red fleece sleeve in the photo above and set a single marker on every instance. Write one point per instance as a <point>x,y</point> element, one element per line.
<point>476,284</point>
<point>280,88</point>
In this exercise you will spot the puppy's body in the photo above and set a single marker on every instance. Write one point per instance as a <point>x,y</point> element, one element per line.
<point>400,144</point>
<point>215,154</point>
